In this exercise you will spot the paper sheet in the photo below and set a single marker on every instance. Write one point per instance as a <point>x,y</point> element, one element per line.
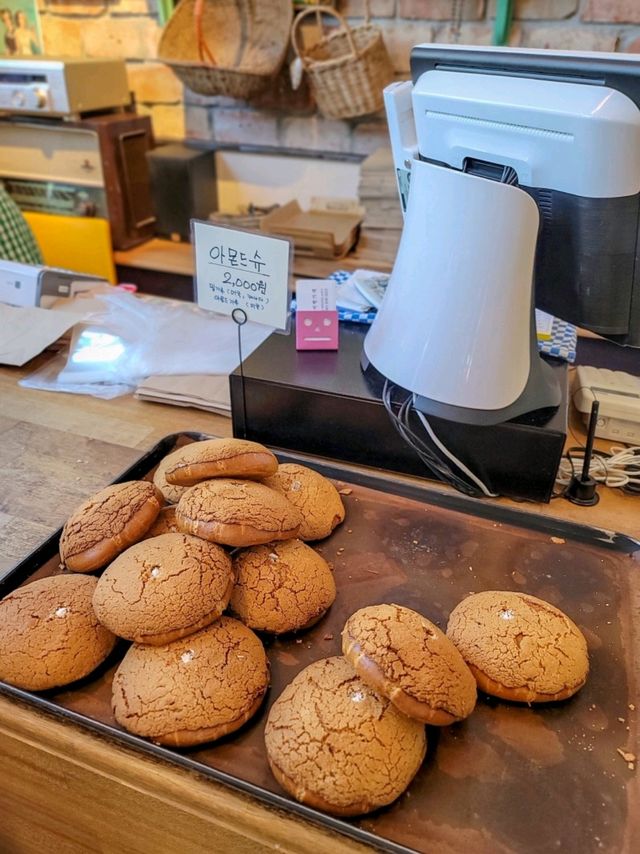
<point>26,332</point>
<point>210,393</point>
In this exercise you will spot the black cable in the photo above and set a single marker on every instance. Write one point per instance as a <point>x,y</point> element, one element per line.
<point>401,420</point>
<point>441,463</point>
<point>425,450</point>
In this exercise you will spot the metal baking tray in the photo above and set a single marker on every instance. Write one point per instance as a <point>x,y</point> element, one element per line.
<point>508,779</point>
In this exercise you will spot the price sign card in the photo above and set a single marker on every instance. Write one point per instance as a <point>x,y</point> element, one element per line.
<point>238,269</point>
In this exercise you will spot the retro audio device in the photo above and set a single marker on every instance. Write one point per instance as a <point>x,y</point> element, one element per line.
<point>72,146</point>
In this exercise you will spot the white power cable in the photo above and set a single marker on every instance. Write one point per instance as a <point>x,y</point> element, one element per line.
<point>463,468</point>
<point>620,468</point>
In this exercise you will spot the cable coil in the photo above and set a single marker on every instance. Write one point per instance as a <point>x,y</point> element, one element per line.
<point>433,453</point>
<point>620,468</point>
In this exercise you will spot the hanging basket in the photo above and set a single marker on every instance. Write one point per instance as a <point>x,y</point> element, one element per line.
<point>227,47</point>
<point>348,68</point>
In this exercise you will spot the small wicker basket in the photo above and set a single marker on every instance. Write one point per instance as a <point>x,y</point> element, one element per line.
<point>348,68</point>
<point>227,47</point>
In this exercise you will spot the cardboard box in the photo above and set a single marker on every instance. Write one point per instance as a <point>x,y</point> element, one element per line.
<point>326,231</point>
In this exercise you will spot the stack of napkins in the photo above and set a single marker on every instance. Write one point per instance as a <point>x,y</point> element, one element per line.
<point>361,291</point>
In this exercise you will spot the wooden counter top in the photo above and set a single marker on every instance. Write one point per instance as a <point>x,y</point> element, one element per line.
<point>65,790</point>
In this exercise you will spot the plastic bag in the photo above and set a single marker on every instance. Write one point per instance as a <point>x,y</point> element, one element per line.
<point>46,378</point>
<point>129,338</point>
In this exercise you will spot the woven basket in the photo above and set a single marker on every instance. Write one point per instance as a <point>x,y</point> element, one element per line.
<point>348,68</point>
<point>227,47</point>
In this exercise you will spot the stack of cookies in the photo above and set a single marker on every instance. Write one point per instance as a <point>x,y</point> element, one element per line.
<point>233,493</point>
<point>191,674</point>
<point>347,735</point>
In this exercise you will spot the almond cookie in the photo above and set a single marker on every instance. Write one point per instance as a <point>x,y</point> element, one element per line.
<point>336,745</point>
<point>49,634</point>
<point>193,690</point>
<point>108,523</point>
<point>404,657</point>
<point>172,493</point>
<point>519,647</point>
<point>315,496</point>
<point>164,588</point>
<point>165,523</point>
<point>219,458</point>
<point>237,513</point>
<point>281,587</point>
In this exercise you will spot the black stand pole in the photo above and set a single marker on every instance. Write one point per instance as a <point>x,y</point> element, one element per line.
<point>239,317</point>
<point>582,490</point>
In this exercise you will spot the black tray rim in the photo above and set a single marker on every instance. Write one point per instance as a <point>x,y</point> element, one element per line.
<point>404,486</point>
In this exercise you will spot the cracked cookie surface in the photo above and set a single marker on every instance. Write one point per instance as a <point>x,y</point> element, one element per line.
<point>316,497</point>
<point>281,587</point>
<point>164,588</point>
<point>108,523</point>
<point>406,658</point>
<point>336,745</point>
<point>519,647</point>
<point>237,513</point>
<point>172,492</point>
<point>195,689</point>
<point>219,458</point>
<point>165,523</point>
<point>49,634</point>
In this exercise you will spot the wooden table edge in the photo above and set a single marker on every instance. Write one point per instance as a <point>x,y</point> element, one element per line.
<point>215,803</point>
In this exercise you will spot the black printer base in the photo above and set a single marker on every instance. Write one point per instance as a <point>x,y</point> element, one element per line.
<point>321,403</point>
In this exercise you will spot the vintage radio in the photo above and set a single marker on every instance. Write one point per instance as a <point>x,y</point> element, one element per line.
<point>94,166</point>
<point>68,148</point>
<point>46,86</point>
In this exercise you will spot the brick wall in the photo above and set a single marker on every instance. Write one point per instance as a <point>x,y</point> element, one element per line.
<point>129,28</point>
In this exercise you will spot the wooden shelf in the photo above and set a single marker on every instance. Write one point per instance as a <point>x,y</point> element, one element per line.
<point>376,250</point>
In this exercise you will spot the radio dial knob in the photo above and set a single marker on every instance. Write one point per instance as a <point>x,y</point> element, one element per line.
<point>41,98</point>
<point>18,98</point>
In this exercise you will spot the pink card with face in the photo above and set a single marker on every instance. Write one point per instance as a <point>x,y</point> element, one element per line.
<point>316,315</point>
